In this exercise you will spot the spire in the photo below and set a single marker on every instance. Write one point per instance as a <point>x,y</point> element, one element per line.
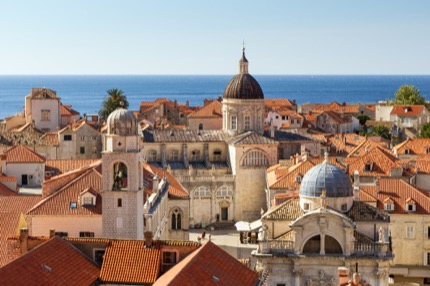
<point>243,63</point>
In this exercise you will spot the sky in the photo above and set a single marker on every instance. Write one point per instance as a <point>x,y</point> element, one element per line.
<point>205,37</point>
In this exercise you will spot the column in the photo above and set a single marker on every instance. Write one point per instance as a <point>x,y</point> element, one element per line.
<point>322,244</point>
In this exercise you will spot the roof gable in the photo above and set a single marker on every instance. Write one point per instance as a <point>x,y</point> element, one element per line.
<point>53,261</point>
<point>129,262</point>
<point>208,265</point>
<point>213,109</point>
<point>22,154</point>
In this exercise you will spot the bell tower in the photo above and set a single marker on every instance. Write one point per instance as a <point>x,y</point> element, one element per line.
<point>122,169</point>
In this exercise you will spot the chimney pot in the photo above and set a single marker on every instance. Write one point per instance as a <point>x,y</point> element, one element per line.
<point>23,238</point>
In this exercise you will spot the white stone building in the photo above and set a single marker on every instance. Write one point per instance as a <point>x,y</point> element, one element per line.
<point>304,240</point>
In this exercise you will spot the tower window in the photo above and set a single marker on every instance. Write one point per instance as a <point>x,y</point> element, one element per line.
<point>176,219</point>
<point>247,122</point>
<point>119,203</point>
<point>120,180</point>
<point>67,137</point>
<point>82,150</point>
<point>234,122</point>
<point>200,126</point>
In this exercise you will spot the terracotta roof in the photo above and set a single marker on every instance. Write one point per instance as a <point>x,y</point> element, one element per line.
<point>365,147</point>
<point>175,189</point>
<point>22,154</point>
<point>67,110</point>
<point>416,146</point>
<point>289,210</point>
<point>53,261</point>
<point>407,110</point>
<point>381,160</point>
<point>213,109</point>
<point>4,178</point>
<point>336,107</point>
<point>59,202</point>
<point>398,191</point>
<point>280,198</point>
<point>336,117</point>
<point>5,191</point>
<point>129,262</point>
<point>277,102</point>
<point>57,182</point>
<point>63,166</point>
<point>344,142</point>
<point>208,265</point>
<point>11,208</point>
<point>50,139</point>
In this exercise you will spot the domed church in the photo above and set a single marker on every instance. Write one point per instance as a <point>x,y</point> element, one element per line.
<point>223,170</point>
<point>305,240</point>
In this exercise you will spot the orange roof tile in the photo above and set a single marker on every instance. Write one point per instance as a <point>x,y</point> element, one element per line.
<point>59,203</point>
<point>129,262</point>
<point>50,139</point>
<point>407,110</point>
<point>11,208</point>
<point>338,108</point>
<point>416,146</point>
<point>175,188</point>
<point>53,261</point>
<point>213,109</point>
<point>277,102</point>
<point>4,178</point>
<point>22,154</point>
<point>335,116</point>
<point>382,160</point>
<point>66,110</point>
<point>208,265</point>
<point>398,192</point>
<point>63,166</point>
<point>5,191</point>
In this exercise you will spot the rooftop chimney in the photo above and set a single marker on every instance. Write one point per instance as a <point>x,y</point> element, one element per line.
<point>23,239</point>
<point>148,239</point>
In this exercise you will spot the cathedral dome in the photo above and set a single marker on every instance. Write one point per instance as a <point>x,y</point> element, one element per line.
<point>122,122</point>
<point>243,85</point>
<point>334,180</point>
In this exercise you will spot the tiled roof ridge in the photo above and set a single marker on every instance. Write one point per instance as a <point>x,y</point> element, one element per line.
<point>272,210</point>
<point>58,191</point>
<point>40,157</point>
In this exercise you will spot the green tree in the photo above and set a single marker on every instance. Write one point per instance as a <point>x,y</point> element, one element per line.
<point>381,130</point>
<point>115,98</point>
<point>362,118</point>
<point>408,94</point>
<point>425,131</point>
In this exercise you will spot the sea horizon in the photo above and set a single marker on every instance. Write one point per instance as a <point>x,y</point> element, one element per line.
<point>86,92</point>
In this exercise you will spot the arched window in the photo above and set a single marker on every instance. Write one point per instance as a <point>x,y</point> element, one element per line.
<point>313,245</point>
<point>120,180</point>
<point>174,155</point>
<point>201,126</point>
<point>202,191</point>
<point>224,191</point>
<point>152,156</point>
<point>247,122</point>
<point>255,158</point>
<point>176,219</point>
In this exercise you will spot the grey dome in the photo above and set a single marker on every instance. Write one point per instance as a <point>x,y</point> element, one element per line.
<point>329,177</point>
<point>122,122</point>
<point>243,86</point>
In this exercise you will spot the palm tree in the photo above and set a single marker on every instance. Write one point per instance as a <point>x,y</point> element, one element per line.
<point>115,98</point>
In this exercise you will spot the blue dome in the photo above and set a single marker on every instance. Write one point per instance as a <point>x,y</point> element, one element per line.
<point>329,177</point>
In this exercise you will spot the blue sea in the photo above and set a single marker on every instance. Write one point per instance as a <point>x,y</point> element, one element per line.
<point>86,93</point>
